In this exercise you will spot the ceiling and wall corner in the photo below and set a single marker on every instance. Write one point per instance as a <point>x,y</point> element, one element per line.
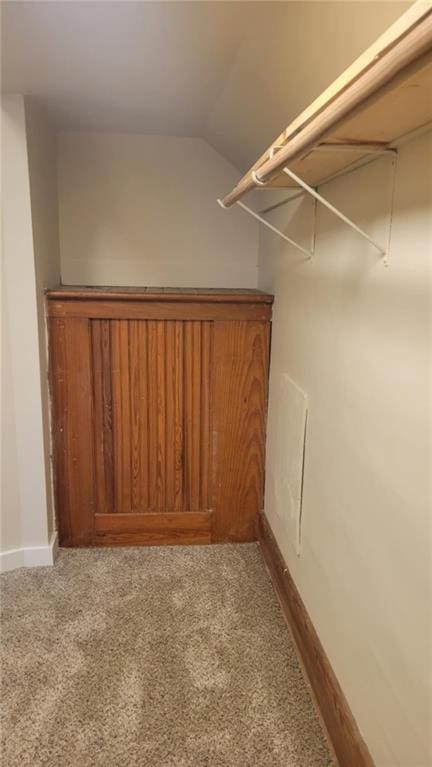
<point>232,73</point>
<point>162,80</point>
<point>300,48</point>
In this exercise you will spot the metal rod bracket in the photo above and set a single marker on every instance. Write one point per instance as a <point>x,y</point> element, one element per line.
<point>384,251</point>
<point>310,190</point>
<point>270,226</point>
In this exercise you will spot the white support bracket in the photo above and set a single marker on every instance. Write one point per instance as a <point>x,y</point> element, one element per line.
<point>308,253</point>
<point>369,149</point>
<point>310,190</point>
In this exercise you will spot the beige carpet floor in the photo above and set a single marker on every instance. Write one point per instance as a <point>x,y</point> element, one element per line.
<point>157,657</point>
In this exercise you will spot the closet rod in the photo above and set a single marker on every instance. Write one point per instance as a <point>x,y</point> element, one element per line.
<point>414,45</point>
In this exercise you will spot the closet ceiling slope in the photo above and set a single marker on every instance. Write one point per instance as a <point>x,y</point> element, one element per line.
<point>382,97</point>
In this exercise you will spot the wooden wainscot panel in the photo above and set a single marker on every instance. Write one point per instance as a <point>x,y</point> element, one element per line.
<point>158,417</point>
<point>182,295</point>
<point>241,352</point>
<point>157,310</point>
<point>71,386</point>
<point>152,529</point>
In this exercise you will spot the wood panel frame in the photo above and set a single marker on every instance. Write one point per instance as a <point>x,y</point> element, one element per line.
<point>182,295</point>
<point>158,310</point>
<point>240,388</point>
<point>157,529</point>
<point>72,429</point>
<point>228,370</point>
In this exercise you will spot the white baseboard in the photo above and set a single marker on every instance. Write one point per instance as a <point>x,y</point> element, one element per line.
<point>33,556</point>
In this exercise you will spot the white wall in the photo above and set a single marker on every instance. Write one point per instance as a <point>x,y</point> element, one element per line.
<point>356,337</point>
<point>42,160</point>
<point>24,490</point>
<point>141,210</point>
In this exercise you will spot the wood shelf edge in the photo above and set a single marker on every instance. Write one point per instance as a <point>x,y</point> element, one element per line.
<point>242,296</point>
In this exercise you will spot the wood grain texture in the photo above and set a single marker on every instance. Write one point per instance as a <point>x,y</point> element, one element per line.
<point>183,295</point>
<point>173,423</point>
<point>121,415</point>
<point>152,390</point>
<point>73,439</point>
<point>380,74</point>
<point>240,404</point>
<point>156,430</point>
<point>152,529</point>
<point>192,404</point>
<point>174,416</point>
<point>139,376</point>
<point>207,377</point>
<point>158,310</point>
<point>342,729</point>
<point>102,396</point>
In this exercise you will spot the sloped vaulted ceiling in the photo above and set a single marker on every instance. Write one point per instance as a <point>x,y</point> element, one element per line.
<point>233,73</point>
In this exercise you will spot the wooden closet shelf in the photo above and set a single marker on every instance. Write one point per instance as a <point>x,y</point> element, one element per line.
<point>384,97</point>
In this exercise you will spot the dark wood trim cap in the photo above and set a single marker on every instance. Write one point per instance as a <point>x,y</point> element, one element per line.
<point>342,729</point>
<point>182,295</point>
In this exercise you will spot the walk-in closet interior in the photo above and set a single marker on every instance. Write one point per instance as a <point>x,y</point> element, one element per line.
<point>216,527</point>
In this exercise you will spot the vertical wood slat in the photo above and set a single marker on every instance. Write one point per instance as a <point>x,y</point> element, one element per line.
<point>174,416</point>
<point>157,428</point>
<point>121,415</point>
<point>240,399</point>
<point>187,408</point>
<point>192,404</point>
<point>206,415</point>
<point>102,392</point>
<point>152,414</point>
<point>139,404</point>
<point>179,418</point>
<point>159,378</point>
<point>195,458</point>
<point>160,405</point>
<point>71,384</point>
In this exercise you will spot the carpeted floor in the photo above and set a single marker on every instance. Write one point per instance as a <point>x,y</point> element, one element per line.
<point>152,657</point>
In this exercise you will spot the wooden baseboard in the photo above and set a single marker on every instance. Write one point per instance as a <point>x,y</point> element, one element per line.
<point>344,735</point>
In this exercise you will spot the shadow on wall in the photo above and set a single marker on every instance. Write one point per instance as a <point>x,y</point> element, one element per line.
<point>140,209</point>
<point>375,213</point>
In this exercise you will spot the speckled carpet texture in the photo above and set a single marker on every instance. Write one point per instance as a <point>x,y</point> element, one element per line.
<point>152,657</point>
